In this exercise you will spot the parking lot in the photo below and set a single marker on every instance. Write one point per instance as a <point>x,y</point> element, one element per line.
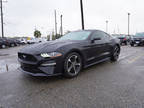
<point>105,85</point>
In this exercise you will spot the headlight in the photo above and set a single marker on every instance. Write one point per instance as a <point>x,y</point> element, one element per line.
<point>51,55</point>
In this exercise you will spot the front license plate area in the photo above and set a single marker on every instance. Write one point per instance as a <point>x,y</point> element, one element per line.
<point>137,42</point>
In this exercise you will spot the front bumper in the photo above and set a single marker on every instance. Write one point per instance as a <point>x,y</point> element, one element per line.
<point>38,74</point>
<point>41,68</point>
<point>138,42</point>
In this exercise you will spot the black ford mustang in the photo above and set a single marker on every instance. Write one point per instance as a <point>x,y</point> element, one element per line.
<point>69,54</point>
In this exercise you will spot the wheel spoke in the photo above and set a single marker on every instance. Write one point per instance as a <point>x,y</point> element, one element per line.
<point>70,68</point>
<point>77,64</point>
<point>69,60</point>
<point>75,59</point>
<point>116,52</point>
<point>74,69</point>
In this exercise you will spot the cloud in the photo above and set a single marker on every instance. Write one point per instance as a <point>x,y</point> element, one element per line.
<point>21,16</point>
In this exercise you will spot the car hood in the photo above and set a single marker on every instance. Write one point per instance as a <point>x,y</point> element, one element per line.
<point>49,46</point>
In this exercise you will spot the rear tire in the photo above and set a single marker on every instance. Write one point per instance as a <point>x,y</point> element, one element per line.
<point>132,45</point>
<point>72,65</point>
<point>115,54</point>
<point>3,46</point>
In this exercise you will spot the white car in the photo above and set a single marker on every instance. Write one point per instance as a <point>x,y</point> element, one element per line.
<point>23,41</point>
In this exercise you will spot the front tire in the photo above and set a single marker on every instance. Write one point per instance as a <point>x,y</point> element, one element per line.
<point>72,65</point>
<point>12,45</point>
<point>126,43</point>
<point>115,54</point>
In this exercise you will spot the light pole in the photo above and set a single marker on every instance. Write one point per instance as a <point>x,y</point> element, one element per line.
<point>82,14</point>
<point>61,25</point>
<point>2,24</point>
<point>128,24</point>
<point>106,26</point>
<point>55,24</point>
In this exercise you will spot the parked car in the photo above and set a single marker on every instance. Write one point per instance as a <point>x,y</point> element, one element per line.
<point>10,42</point>
<point>39,40</point>
<point>31,41</point>
<point>18,42</point>
<point>138,39</point>
<point>69,54</point>
<point>3,43</point>
<point>124,39</point>
<point>23,41</point>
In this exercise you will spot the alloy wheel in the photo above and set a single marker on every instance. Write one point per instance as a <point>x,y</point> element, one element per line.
<point>73,64</point>
<point>116,53</point>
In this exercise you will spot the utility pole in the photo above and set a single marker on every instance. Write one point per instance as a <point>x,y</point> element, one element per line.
<point>82,14</point>
<point>128,24</point>
<point>61,25</point>
<point>118,29</point>
<point>55,24</point>
<point>2,24</point>
<point>107,26</point>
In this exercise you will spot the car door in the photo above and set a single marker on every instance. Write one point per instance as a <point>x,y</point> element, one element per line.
<point>107,41</point>
<point>94,49</point>
<point>101,46</point>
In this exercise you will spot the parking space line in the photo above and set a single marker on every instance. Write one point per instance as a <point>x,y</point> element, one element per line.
<point>134,59</point>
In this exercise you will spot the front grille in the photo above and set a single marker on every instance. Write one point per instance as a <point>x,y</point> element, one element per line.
<point>30,68</point>
<point>27,57</point>
<point>137,39</point>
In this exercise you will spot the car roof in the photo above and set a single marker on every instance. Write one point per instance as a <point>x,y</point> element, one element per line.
<point>91,30</point>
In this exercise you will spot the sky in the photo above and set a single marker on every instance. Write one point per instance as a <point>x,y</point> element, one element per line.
<point>21,17</point>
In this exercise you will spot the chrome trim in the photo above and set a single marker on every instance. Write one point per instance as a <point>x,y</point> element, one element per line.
<point>49,64</point>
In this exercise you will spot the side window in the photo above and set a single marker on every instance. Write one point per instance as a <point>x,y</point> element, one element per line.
<point>105,36</point>
<point>102,35</point>
<point>96,34</point>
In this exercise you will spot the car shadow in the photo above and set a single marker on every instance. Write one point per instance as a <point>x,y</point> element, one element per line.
<point>60,78</point>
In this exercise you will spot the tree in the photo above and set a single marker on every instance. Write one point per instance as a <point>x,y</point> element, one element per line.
<point>58,36</point>
<point>48,37</point>
<point>53,36</point>
<point>37,34</point>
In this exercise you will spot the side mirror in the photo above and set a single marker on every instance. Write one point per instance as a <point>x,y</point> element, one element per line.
<point>93,40</point>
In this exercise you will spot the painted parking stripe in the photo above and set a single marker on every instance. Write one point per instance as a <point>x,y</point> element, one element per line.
<point>135,59</point>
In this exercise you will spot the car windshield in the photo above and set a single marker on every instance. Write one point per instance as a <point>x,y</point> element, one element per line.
<point>121,36</point>
<point>139,34</point>
<point>81,35</point>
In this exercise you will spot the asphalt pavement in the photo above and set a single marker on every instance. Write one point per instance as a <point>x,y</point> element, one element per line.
<point>105,85</point>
